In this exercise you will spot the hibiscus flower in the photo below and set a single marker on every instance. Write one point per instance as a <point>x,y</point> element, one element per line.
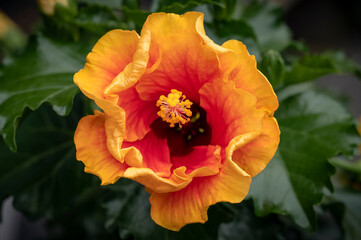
<point>190,120</point>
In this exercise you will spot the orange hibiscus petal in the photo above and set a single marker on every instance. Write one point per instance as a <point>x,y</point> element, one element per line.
<point>154,182</point>
<point>139,114</point>
<point>189,205</point>
<point>114,124</point>
<point>115,64</point>
<point>149,161</point>
<point>90,140</point>
<point>132,72</point>
<point>161,25</point>
<point>91,143</point>
<point>246,75</point>
<point>155,154</point>
<point>201,161</point>
<point>254,156</point>
<point>110,55</point>
<point>186,63</point>
<point>230,111</point>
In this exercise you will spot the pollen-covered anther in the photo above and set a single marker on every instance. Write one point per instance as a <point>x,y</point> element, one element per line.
<point>174,108</point>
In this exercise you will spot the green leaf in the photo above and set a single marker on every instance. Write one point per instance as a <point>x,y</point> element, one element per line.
<point>44,176</point>
<point>47,182</point>
<point>231,29</point>
<point>108,3</point>
<point>311,67</point>
<point>182,6</point>
<point>44,73</point>
<point>217,214</point>
<point>351,166</point>
<point>344,64</point>
<point>226,11</point>
<point>273,66</point>
<point>97,19</point>
<point>12,40</point>
<point>76,22</point>
<point>248,226</point>
<point>266,20</point>
<point>221,31</point>
<point>314,127</point>
<point>351,217</point>
<point>308,68</point>
<point>254,21</point>
<point>135,17</point>
<point>128,210</point>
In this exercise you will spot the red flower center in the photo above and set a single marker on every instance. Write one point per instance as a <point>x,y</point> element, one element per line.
<point>181,139</point>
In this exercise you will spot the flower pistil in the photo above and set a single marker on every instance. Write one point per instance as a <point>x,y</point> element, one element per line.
<point>174,108</point>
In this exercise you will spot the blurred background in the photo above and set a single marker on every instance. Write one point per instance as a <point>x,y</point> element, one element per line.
<point>322,25</point>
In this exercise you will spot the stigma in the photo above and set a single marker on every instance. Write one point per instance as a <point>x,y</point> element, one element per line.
<point>174,108</point>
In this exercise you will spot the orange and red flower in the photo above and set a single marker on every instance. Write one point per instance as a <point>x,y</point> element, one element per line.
<point>190,151</point>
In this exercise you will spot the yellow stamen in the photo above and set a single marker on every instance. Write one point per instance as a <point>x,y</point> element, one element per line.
<point>174,108</point>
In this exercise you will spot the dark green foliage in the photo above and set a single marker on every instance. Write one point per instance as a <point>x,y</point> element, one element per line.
<point>293,181</point>
<point>42,74</point>
<point>273,67</point>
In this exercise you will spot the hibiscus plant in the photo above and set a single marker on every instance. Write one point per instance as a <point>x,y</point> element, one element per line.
<point>175,120</point>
